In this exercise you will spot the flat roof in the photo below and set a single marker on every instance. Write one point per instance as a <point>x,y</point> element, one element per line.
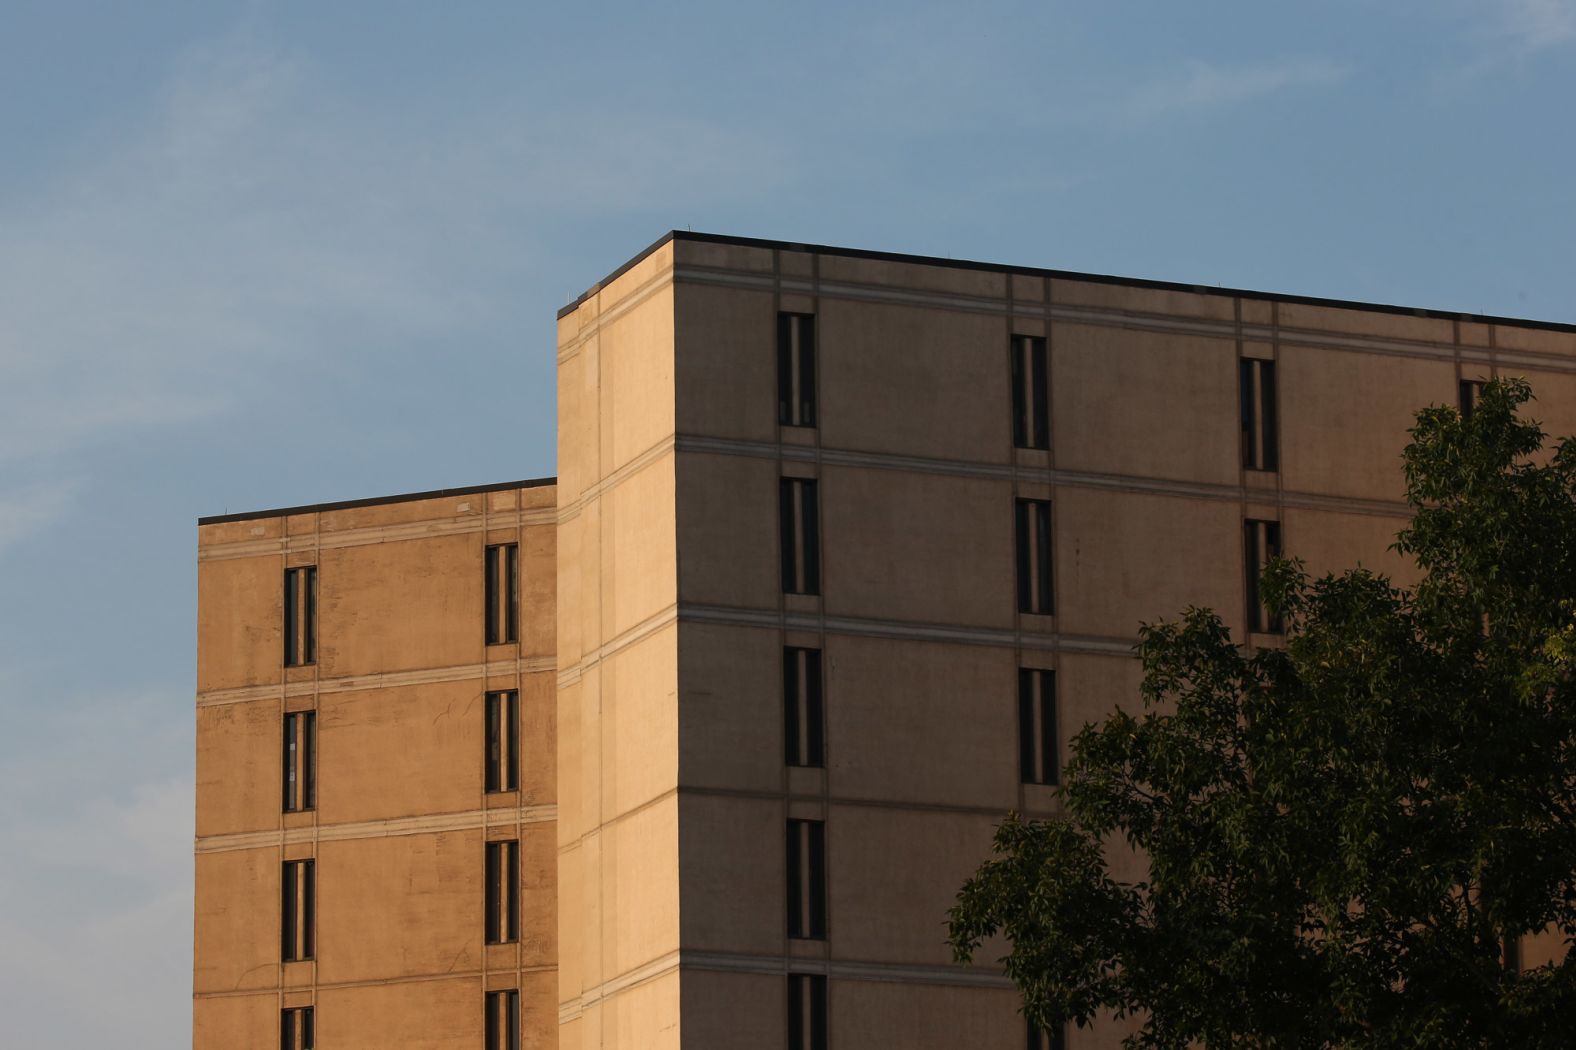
<point>1068,275</point>
<point>405,497</point>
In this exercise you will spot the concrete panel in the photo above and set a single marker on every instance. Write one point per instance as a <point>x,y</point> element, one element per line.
<point>1537,340</point>
<point>643,1017</point>
<point>1365,322</point>
<point>930,548</point>
<point>240,622</point>
<point>725,1011</point>
<point>723,256</point>
<point>538,895</point>
<point>639,722</point>
<point>639,574</point>
<point>399,606</point>
<point>731,707</point>
<point>1555,404</point>
<point>590,597</point>
<point>237,921</point>
<point>886,862</point>
<point>1089,689</point>
<point>578,412</point>
<point>1136,299</point>
<point>640,896</point>
<point>1345,416</point>
<point>636,363</point>
<point>572,596</point>
<point>538,1011</point>
<point>914,381</point>
<point>400,512</point>
<point>239,758</point>
<point>572,940</point>
<point>245,531</point>
<point>728,505</point>
<point>920,276</point>
<point>922,722</point>
<point>649,272</point>
<point>1144,404</point>
<point>538,739</point>
<point>385,753</point>
<point>538,591</point>
<point>399,907</point>
<point>1124,558</point>
<point>726,362</point>
<point>1331,542</point>
<point>236,1022</point>
<point>922,1017</point>
<point>732,852</point>
<point>576,810</point>
<point>416,1015</point>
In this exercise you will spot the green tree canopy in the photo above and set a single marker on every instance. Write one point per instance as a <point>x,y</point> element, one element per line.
<point>1342,835</point>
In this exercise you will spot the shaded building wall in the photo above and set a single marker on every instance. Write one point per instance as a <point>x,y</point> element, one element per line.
<point>401,816</point>
<point>916,618</point>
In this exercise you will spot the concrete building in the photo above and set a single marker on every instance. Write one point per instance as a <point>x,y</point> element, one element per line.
<point>842,549</point>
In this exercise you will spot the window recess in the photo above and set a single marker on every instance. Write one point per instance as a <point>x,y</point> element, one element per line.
<point>1031,413</point>
<point>300,616</point>
<point>1256,387</point>
<point>796,370</point>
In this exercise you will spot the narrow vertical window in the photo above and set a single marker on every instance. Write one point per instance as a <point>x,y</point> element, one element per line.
<point>1031,415</point>
<point>1034,557</point>
<point>801,535</point>
<point>1045,1038</point>
<point>803,720</point>
<point>1511,952</point>
<point>503,734</point>
<point>806,1012</point>
<point>297,894</point>
<point>300,761</point>
<point>503,892</point>
<point>1259,426</point>
<point>807,879</point>
<point>300,615</point>
<point>1261,544</point>
<point>295,1029</point>
<point>503,574</point>
<point>1037,759</point>
<point>1470,393</point>
<point>796,370</point>
<point>503,1020</point>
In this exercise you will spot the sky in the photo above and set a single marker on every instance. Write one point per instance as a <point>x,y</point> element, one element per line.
<point>273,253</point>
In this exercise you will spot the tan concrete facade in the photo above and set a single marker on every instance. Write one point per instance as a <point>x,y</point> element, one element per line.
<point>401,812</point>
<point>654,830</point>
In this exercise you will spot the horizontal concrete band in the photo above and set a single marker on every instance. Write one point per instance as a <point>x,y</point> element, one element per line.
<point>1073,314</point>
<point>986,471</point>
<point>305,992</point>
<point>467,820</point>
<point>688,612</point>
<point>390,680</point>
<point>1044,476</point>
<point>823,801</point>
<point>779,966</point>
<point>446,525</point>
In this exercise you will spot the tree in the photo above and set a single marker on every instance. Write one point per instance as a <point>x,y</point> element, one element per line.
<point>1344,835</point>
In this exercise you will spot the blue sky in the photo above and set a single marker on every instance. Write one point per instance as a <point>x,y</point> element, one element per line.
<point>273,253</point>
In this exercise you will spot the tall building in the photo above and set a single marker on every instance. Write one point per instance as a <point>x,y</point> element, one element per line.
<point>842,550</point>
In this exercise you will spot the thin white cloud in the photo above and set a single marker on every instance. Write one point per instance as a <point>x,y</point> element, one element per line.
<point>253,219</point>
<point>1499,35</point>
<point>1206,87</point>
<point>1533,25</point>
